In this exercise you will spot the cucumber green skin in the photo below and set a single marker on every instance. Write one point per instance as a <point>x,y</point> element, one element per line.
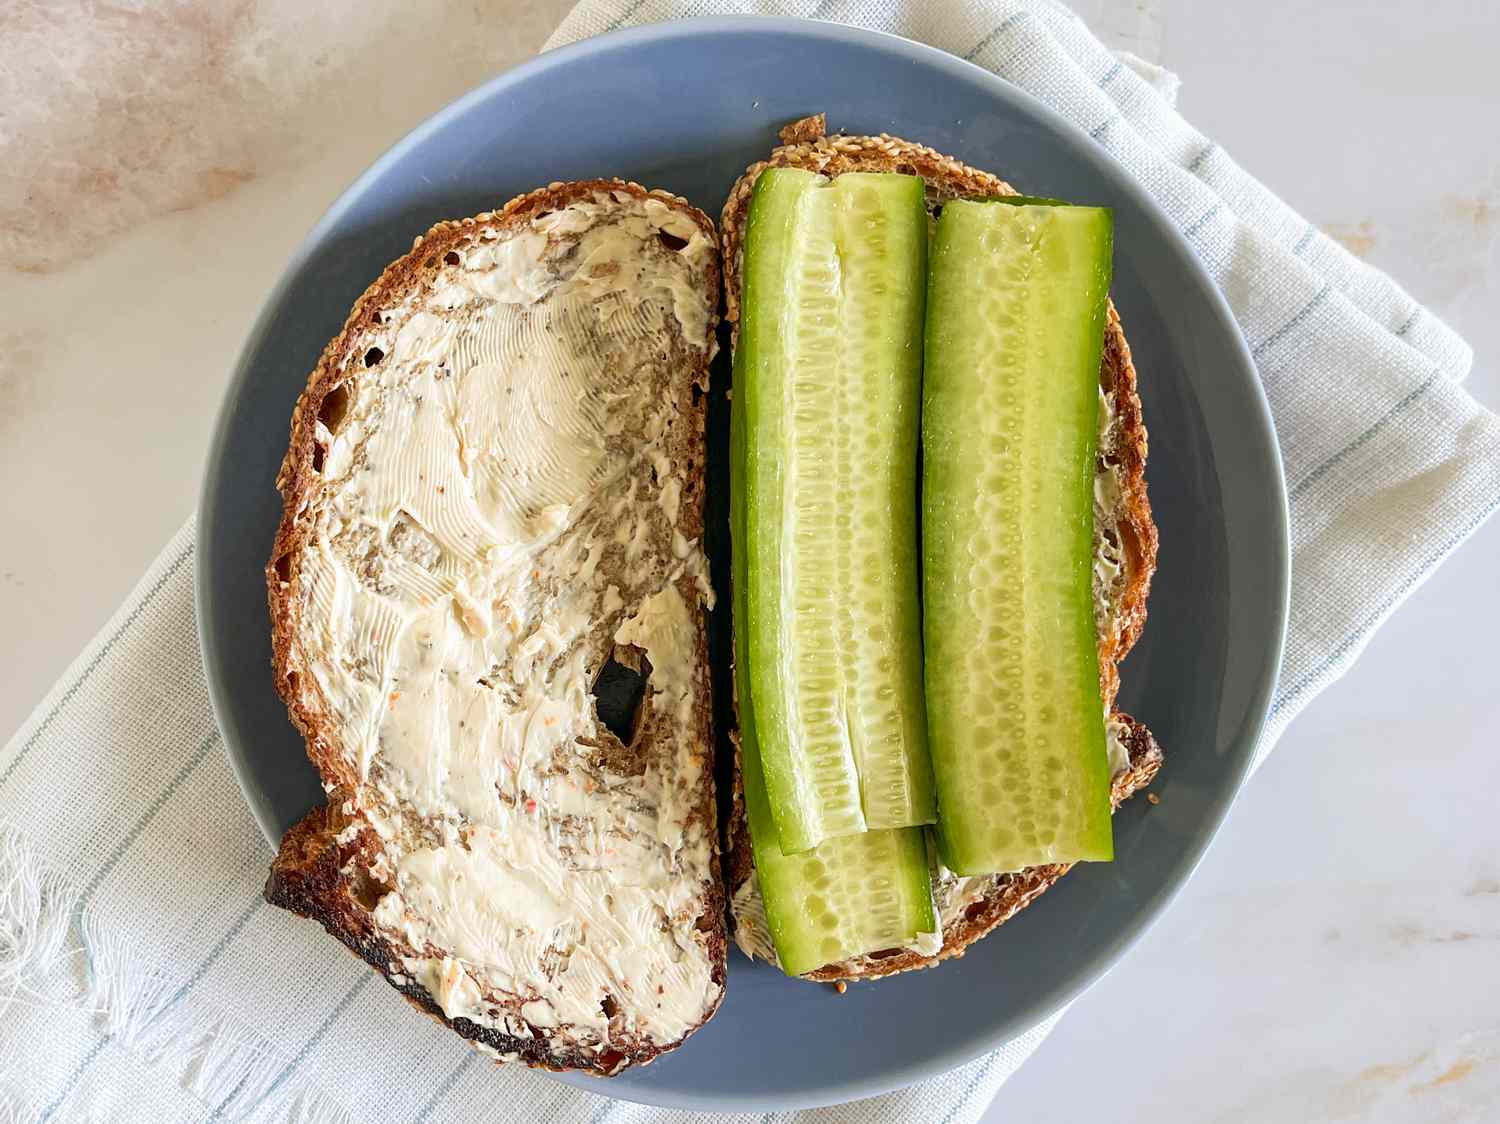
<point>1017,299</point>
<point>772,210</point>
<point>869,785</point>
<point>795,888</point>
<point>1028,201</point>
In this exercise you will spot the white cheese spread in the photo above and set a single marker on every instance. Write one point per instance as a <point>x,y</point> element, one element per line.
<point>507,426</point>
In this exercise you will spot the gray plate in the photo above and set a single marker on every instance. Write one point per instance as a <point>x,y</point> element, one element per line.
<point>686,107</point>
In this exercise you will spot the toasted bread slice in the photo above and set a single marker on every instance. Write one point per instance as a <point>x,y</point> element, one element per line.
<point>493,514</point>
<point>1124,541</point>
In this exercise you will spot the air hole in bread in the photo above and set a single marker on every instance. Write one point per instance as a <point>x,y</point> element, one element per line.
<point>609,1060</point>
<point>373,356</point>
<point>618,691</point>
<point>671,241</point>
<point>283,568</point>
<point>452,258</point>
<point>608,1006</point>
<point>973,912</point>
<point>884,953</point>
<point>335,405</point>
<point>366,889</point>
<point>317,457</point>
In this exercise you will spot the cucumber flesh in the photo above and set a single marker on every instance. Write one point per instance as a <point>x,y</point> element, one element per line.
<point>850,895</point>
<point>1016,310</point>
<point>830,334</point>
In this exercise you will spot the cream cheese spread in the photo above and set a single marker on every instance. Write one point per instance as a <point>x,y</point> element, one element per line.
<point>496,506</point>
<point>1109,562</point>
<point>752,931</point>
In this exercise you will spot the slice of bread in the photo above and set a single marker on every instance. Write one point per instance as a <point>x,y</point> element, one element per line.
<point>1124,548</point>
<point>486,596</point>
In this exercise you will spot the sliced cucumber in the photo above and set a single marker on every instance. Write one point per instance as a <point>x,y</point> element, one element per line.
<point>850,895</point>
<point>1028,201</point>
<point>1015,322</point>
<point>830,338</point>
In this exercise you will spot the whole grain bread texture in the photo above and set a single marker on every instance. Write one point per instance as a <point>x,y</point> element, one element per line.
<point>1125,543</point>
<point>343,865</point>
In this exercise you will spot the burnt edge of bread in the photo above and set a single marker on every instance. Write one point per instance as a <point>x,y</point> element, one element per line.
<point>308,874</point>
<point>308,878</point>
<point>806,145</point>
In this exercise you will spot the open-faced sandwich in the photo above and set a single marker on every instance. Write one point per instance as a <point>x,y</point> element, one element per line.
<point>494,508</point>
<point>998,352</point>
<point>488,592</point>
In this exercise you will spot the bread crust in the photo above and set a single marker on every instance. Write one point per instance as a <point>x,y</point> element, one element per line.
<point>321,870</point>
<point>806,146</point>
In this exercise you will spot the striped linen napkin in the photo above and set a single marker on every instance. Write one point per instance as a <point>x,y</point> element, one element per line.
<point>141,976</point>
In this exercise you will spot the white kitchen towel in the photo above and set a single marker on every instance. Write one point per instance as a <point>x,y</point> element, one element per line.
<point>142,977</point>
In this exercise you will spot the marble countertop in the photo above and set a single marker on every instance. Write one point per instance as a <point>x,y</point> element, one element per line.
<point>1337,956</point>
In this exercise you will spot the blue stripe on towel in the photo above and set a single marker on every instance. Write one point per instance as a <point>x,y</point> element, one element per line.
<point>301,1056</point>
<point>1005,25</point>
<point>130,619</point>
<point>615,23</point>
<point>604,1112</point>
<point>963,1098</point>
<point>213,955</point>
<point>1291,325</point>
<point>1322,470</point>
<point>73,1079</point>
<point>1285,698</point>
<point>98,880</point>
<point>1198,161</point>
<point>442,1090</point>
<point>1202,220</point>
<point>146,817</point>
